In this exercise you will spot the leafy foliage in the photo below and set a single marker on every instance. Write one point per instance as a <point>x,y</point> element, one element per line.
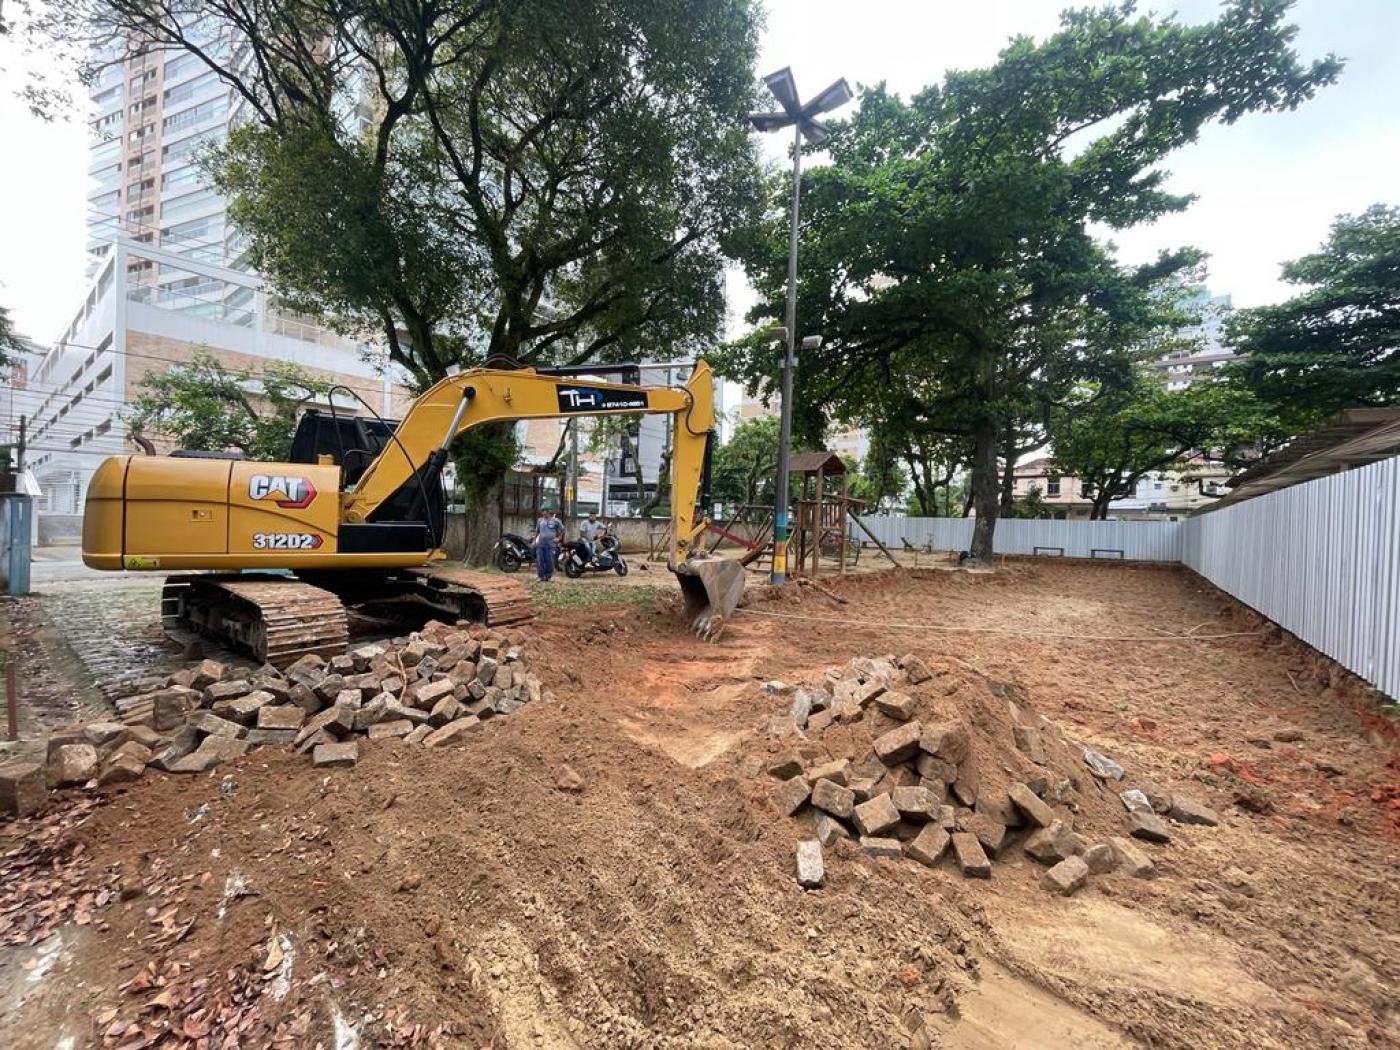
<point>540,180</point>
<point>1111,439</point>
<point>878,481</point>
<point>744,469</point>
<point>10,346</point>
<point>206,407</point>
<point>1336,345</point>
<point>946,252</point>
<point>469,180</point>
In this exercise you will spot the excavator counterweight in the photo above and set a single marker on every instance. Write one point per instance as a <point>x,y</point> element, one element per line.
<point>365,526</point>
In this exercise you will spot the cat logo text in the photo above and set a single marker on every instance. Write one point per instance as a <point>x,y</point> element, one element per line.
<point>291,493</point>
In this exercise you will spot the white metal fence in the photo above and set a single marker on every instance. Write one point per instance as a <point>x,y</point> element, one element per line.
<point>1321,559</point>
<point>1133,540</point>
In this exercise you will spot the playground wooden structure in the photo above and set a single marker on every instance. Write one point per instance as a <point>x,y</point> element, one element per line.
<point>818,531</point>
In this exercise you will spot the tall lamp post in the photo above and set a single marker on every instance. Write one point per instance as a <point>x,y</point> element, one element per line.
<point>802,119</point>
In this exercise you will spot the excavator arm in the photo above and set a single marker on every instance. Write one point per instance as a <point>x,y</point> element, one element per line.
<point>420,445</point>
<point>710,587</point>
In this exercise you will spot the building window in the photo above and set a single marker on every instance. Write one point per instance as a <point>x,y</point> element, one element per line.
<point>179,177</point>
<point>189,145</point>
<point>191,202</point>
<point>190,88</point>
<point>1052,486</point>
<point>214,108</point>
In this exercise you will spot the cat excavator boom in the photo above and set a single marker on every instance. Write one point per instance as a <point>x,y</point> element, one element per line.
<point>364,527</point>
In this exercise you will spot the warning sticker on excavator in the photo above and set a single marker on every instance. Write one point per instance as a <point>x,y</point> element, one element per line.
<point>599,399</point>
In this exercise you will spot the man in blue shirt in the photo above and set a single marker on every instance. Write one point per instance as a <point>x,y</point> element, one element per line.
<point>548,532</point>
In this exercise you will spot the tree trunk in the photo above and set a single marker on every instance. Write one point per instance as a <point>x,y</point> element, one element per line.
<point>483,456</point>
<point>483,515</point>
<point>1008,475</point>
<point>984,488</point>
<point>663,478</point>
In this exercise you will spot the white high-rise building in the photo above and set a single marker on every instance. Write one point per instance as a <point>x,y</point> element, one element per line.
<point>1180,368</point>
<point>169,277</point>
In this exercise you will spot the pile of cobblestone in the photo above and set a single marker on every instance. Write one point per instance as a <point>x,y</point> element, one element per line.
<point>892,756</point>
<point>432,688</point>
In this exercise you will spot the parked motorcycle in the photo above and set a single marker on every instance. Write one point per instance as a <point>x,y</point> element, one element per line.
<point>607,557</point>
<point>513,551</point>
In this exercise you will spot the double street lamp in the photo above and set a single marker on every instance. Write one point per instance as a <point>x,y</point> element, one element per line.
<point>805,126</point>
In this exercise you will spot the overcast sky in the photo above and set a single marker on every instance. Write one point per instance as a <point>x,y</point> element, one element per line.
<point>1267,186</point>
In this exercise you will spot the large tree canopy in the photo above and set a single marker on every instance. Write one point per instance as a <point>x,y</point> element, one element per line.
<point>946,253</point>
<point>1336,345</point>
<point>538,180</point>
<point>1112,438</point>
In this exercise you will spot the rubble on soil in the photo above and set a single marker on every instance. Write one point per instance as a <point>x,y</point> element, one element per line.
<point>432,688</point>
<point>920,762</point>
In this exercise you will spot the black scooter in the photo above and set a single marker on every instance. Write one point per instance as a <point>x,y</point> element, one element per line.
<point>607,558</point>
<point>513,551</point>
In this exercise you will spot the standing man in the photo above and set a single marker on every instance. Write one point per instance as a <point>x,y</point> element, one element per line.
<point>548,531</point>
<point>589,532</point>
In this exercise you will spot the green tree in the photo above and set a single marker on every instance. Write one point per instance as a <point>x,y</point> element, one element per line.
<point>537,181</point>
<point>878,481</point>
<point>745,467</point>
<point>1032,505</point>
<point>10,345</point>
<point>206,407</point>
<point>1112,439</point>
<point>1336,345</point>
<point>947,253</point>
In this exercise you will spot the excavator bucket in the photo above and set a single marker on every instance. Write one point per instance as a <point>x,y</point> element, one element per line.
<point>710,589</point>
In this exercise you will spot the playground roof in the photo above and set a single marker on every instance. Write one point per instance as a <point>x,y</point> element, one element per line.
<point>811,462</point>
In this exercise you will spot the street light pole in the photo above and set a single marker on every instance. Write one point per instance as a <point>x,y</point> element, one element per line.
<point>781,499</point>
<point>803,121</point>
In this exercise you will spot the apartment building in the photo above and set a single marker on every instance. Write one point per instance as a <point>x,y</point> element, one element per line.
<point>83,385</point>
<point>151,115</point>
<point>1158,495</point>
<point>1206,352</point>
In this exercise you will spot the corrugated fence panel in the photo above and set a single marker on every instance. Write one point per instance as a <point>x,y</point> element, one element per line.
<point>1132,540</point>
<point>1321,559</point>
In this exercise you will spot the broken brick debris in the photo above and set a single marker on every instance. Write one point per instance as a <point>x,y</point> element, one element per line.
<point>946,784</point>
<point>410,689</point>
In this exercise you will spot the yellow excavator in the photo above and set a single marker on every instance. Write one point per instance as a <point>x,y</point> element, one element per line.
<point>357,517</point>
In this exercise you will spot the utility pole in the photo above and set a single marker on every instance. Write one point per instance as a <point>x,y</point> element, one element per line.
<point>573,468</point>
<point>19,449</point>
<point>802,119</point>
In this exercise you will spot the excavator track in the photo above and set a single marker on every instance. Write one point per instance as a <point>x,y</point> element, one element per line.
<point>276,618</point>
<point>492,599</point>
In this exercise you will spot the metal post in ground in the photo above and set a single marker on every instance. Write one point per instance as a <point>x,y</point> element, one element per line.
<point>11,698</point>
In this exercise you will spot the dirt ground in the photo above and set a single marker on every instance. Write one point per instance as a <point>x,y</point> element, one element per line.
<point>465,898</point>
